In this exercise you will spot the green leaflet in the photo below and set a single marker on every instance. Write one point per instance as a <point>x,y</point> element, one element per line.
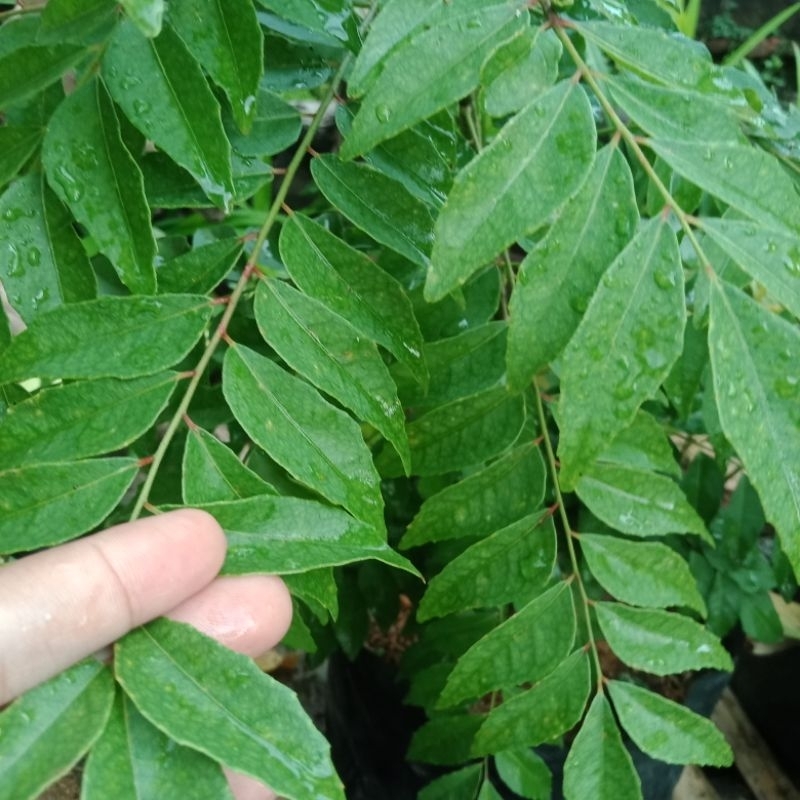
<point>526,647</point>
<point>659,642</point>
<point>27,70</point>
<point>770,257</point>
<point>48,729</point>
<point>147,15</point>
<point>745,177</point>
<point>324,348</point>
<point>5,332</point>
<point>625,570</point>
<point>674,114</point>
<point>316,587</point>
<point>459,365</point>
<point>112,337</point>
<point>524,773</point>
<point>226,40</point>
<point>515,170</point>
<point>77,420</point>
<point>501,568</point>
<point>274,127</point>
<point>638,502</point>
<point>317,443</point>
<point>461,783</point>
<point>163,92</point>
<point>381,206</point>
<point>98,179</point>
<point>83,22</point>
<point>458,434</point>
<point>551,707</point>
<point>488,792</point>
<point>754,357</point>
<point>200,270</point>
<point>45,504</point>
<point>666,730</point>
<point>326,22</point>
<point>271,533</point>
<point>656,55</point>
<point>445,739</point>
<point>212,472</point>
<point>643,445</point>
<point>519,70</point>
<point>17,145</point>
<point>559,276</point>
<point>625,345</point>
<point>41,259</point>
<point>484,502</point>
<point>224,706</point>
<point>133,760</point>
<point>598,765</point>
<point>353,286</point>
<point>433,66</point>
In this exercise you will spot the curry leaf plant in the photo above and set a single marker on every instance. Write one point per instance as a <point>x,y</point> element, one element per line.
<point>488,293</point>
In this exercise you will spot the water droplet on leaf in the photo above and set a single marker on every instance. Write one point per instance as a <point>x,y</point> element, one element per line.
<point>383,113</point>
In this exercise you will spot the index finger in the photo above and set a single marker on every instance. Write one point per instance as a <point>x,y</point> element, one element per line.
<point>61,605</point>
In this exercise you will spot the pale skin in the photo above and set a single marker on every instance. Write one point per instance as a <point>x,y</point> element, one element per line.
<point>66,603</point>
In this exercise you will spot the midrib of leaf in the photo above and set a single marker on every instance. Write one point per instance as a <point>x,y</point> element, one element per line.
<point>377,212</point>
<point>132,464</point>
<point>132,761</point>
<point>293,424</point>
<point>120,200</point>
<point>240,724</point>
<point>755,381</point>
<point>218,470</point>
<point>231,48</point>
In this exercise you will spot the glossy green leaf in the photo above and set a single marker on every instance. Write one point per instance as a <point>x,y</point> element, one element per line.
<point>316,586</point>
<point>212,472</point>
<point>459,434</point>
<point>551,707</point>
<point>323,347</point>
<point>227,41</point>
<point>44,732</point>
<point>77,420</point>
<point>163,92</point>
<point>42,260</point>
<point>488,792</point>
<point>558,277</point>
<point>17,145</point>
<point>598,765</point>
<point>435,65</point>
<point>147,15</point>
<point>353,286</point>
<point>770,257</point>
<point>484,502</point>
<point>444,739</point>
<point>5,330</point>
<point>96,176</point>
<point>119,337</point>
<point>643,445</point>
<point>654,54</point>
<point>461,783</point>
<point>659,642</point>
<point>625,345</point>
<point>519,70</point>
<point>638,502</point>
<point>459,365</point>
<point>275,126</point>
<point>526,647</point>
<point>200,270</point>
<point>666,730</point>
<point>317,443</point>
<point>515,170</point>
<point>498,569</point>
<point>224,706</point>
<point>625,570</point>
<point>326,22</point>
<point>754,358</point>
<point>674,113</point>
<point>525,773</point>
<point>44,504</point>
<point>76,21</point>
<point>272,533</point>
<point>133,760</point>
<point>745,177</point>
<point>380,206</point>
<point>27,70</point>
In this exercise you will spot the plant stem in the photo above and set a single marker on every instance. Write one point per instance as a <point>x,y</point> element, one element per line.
<point>238,291</point>
<point>569,534</point>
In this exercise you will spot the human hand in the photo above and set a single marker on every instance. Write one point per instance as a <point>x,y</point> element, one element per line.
<point>63,604</point>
